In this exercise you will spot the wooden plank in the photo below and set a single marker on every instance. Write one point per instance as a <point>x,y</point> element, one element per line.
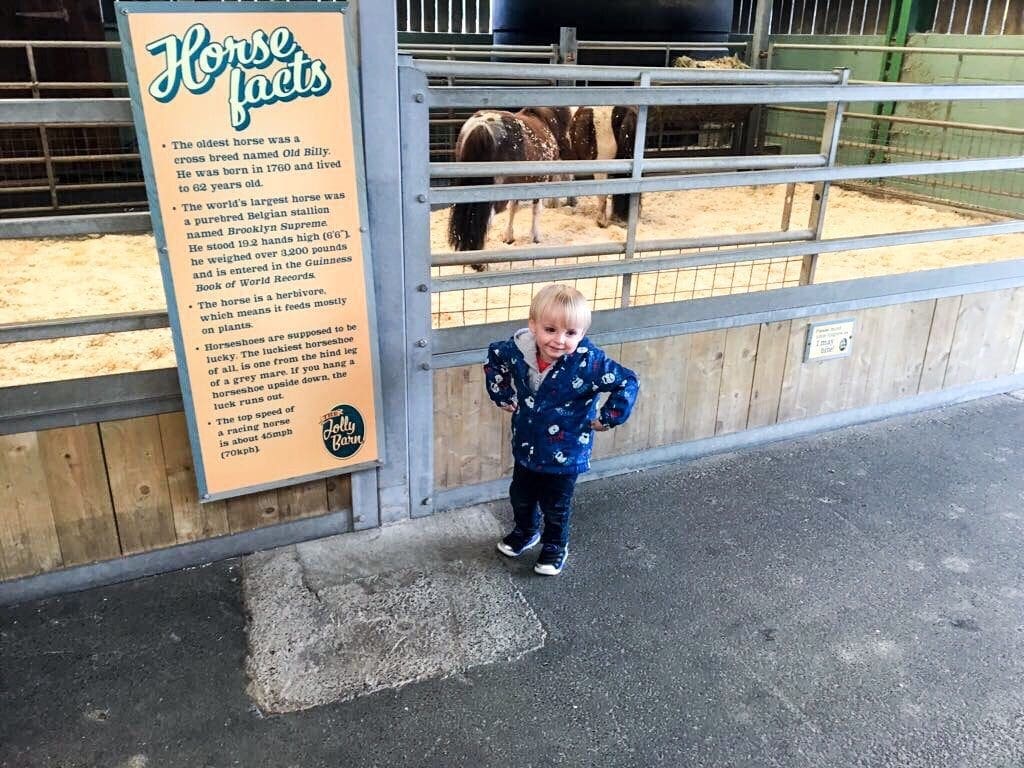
<point>454,416</point>
<point>979,351</point>
<point>76,477</point>
<point>769,369</point>
<point>737,378</point>
<point>28,534</point>
<point>303,500</point>
<point>138,484</point>
<point>821,386</point>
<point>666,401</point>
<point>703,384</point>
<point>192,521</point>
<point>246,513</point>
<point>339,498</point>
<point>940,339</point>
<point>643,358</point>
<point>441,426</point>
<point>904,342</point>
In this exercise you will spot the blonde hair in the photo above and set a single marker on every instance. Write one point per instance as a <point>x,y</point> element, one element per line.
<point>561,302</point>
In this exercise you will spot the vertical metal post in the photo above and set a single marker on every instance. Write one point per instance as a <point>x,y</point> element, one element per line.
<point>51,177</point>
<point>568,50</point>
<point>639,146</point>
<point>757,58</point>
<point>758,49</point>
<point>414,112</point>
<point>901,17</point>
<point>830,149</point>
<point>787,207</point>
<point>379,87</point>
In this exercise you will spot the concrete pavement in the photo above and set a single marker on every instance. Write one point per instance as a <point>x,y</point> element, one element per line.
<point>849,599</point>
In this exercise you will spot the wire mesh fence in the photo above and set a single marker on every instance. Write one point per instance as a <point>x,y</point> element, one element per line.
<point>869,138</point>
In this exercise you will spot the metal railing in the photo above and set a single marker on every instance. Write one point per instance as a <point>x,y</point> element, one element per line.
<point>650,87</point>
<point>66,168</point>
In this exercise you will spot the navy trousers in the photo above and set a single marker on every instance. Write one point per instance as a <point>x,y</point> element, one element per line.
<point>538,495</point>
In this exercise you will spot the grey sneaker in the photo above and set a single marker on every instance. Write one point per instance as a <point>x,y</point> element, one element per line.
<point>551,560</point>
<point>517,542</point>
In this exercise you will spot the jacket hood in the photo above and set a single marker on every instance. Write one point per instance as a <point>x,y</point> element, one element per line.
<point>527,344</point>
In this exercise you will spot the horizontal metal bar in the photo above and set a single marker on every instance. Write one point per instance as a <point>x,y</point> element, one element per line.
<point>466,345</point>
<point>174,558</point>
<point>84,401</point>
<point>478,55</point>
<point>622,74</point>
<point>467,495</point>
<point>633,45</point>
<point>60,44</point>
<point>12,86</point>
<point>83,326</point>
<point>63,226</point>
<point>406,48</point>
<point>649,165</point>
<point>484,193</point>
<point>910,120</point>
<point>462,258</point>
<point>71,207</point>
<point>708,95</point>
<point>73,187</point>
<point>22,112</point>
<point>69,159</point>
<point>760,253</point>
<point>898,49</point>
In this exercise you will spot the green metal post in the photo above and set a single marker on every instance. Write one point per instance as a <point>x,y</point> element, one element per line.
<point>905,16</point>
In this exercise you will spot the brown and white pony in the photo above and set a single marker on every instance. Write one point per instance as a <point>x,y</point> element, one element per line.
<point>535,134</point>
<point>605,133</point>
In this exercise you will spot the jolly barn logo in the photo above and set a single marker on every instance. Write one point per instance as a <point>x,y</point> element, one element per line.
<point>194,61</point>
<point>343,431</point>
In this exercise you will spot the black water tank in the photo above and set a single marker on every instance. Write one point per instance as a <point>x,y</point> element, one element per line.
<point>537,22</point>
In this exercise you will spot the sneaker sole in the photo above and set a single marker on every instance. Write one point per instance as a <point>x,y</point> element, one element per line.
<point>507,551</point>
<point>550,570</point>
<point>547,570</point>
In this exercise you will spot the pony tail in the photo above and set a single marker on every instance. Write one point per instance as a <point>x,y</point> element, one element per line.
<point>468,222</point>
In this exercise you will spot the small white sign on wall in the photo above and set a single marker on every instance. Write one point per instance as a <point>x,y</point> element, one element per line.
<point>828,340</point>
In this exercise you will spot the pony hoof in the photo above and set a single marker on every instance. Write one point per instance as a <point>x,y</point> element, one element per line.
<point>602,223</point>
<point>508,240</point>
<point>479,267</point>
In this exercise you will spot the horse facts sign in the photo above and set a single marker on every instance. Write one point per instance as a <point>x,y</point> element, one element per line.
<point>248,127</point>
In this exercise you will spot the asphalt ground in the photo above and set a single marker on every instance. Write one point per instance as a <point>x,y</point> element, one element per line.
<point>849,599</point>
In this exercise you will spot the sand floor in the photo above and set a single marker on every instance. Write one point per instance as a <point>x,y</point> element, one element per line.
<point>96,275</point>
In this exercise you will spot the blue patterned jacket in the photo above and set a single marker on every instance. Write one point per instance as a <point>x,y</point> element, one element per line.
<point>551,425</point>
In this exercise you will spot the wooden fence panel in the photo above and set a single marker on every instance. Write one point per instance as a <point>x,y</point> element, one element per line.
<point>138,483</point>
<point>737,378</point>
<point>192,521</point>
<point>769,369</point>
<point>703,384</point>
<point>28,533</point>
<point>76,478</point>
<point>303,500</point>
<point>987,337</point>
<point>246,513</point>
<point>940,339</point>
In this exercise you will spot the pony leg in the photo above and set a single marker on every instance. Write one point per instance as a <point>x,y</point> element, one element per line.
<point>602,203</point>
<point>535,230</point>
<point>602,210</point>
<point>513,206</point>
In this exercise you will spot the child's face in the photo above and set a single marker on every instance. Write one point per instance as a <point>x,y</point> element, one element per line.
<point>555,337</point>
